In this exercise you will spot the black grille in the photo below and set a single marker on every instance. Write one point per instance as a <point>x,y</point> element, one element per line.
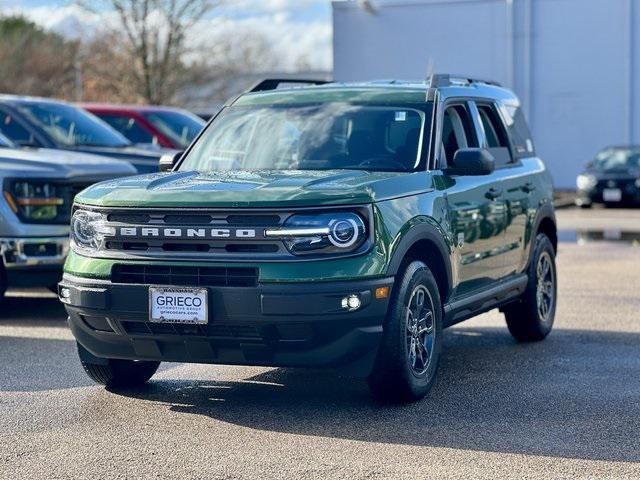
<point>220,331</point>
<point>185,276</point>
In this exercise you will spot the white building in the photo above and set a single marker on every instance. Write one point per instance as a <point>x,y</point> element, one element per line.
<point>574,63</point>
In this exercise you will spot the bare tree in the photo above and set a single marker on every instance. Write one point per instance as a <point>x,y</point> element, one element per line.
<point>155,31</point>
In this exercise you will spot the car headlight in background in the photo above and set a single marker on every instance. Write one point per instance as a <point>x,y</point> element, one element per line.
<point>638,182</point>
<point>36,201</point>
<point>309,234</point>
<point>586,182</point>
<point>88,230</point>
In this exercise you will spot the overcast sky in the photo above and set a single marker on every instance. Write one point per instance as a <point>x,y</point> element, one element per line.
<point>296,29</point>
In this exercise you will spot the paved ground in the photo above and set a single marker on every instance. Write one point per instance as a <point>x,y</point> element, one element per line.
<point>566,407</point>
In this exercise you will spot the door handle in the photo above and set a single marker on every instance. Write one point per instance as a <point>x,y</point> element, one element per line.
<point>528,187</point>
<point>493,193</point>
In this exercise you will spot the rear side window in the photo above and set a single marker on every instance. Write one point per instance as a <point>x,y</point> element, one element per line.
<point>518,130</point>
<point>129,127</point>
<point>495,133</point>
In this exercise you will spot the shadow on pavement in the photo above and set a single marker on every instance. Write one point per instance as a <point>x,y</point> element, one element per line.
<point>564,397</point>
<point>31,310</point>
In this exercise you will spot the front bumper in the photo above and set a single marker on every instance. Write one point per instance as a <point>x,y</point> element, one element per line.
<point>33,261</point>
<point>37,251</point>
<point>280,325</point>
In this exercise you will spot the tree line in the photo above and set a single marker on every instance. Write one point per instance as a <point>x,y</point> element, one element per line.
<point>145,58</point>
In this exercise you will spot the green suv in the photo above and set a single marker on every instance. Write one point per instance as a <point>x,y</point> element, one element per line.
<point>323,225</point>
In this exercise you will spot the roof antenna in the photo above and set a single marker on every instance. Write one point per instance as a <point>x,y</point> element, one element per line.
<point>367,6</point>
<point>430,67</point>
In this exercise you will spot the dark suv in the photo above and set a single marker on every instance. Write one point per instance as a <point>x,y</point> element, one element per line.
<point>334,225</point>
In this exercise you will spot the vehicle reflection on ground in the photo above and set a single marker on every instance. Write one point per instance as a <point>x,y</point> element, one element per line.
<point>582,237</point>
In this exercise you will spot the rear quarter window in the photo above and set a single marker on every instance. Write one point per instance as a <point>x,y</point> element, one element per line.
<point>518,130</point>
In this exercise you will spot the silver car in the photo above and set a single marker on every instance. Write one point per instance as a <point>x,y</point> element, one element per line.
<point>38,186</point>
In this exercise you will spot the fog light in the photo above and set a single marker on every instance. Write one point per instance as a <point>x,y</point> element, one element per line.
<point>65,294</point>
<point>351,303</point>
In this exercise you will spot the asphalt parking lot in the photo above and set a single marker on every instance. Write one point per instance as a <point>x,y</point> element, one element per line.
<point>566,407</point>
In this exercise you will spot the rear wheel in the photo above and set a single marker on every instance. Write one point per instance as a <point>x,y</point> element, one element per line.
<point>531,318</point>
<point>407,361</point>
<point>114,373</point>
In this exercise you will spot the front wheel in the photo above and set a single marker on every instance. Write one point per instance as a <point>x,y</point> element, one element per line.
<point>114,373</point>
<point>407,360</point>
<point>531,318</point>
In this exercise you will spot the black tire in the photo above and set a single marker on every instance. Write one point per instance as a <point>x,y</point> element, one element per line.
<point>114,373</point>
<point>525,320</point>
<point>3,281</point>
<point>396,376</point>
<point>586,205</point>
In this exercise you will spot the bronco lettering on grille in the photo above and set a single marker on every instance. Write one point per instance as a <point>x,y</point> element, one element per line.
<point>186,233</point>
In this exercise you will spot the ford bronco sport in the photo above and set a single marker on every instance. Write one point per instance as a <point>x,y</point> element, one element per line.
<point>324,225</point>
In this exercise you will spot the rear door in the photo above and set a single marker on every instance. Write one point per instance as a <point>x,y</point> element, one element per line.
<point>475,203</point>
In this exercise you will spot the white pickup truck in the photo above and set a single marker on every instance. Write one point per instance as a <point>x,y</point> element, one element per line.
<point>38,186</point>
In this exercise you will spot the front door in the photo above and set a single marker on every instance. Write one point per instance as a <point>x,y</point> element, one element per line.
<point>476,205</point>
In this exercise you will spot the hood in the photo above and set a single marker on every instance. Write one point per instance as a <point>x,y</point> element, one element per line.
<point>144,160</point>
<point>255,188</point>
<point>60,164</point>
<point>131,151</point>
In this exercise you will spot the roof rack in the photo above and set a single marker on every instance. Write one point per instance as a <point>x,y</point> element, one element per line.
<point>446,79</point>
<point>274,83</point>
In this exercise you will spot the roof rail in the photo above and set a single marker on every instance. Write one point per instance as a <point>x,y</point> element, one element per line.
<point>446,79</point>
<point>274,83</point>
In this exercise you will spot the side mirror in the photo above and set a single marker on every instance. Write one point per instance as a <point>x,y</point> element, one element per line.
<point>168,161</point>
<point>472,161</point>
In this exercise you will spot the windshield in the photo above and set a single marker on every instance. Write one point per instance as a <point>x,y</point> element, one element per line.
<point>70,126</point>
<point>318,137</point>
<point>180,127</point>
<point>614,159</point>
<point>5,142</point>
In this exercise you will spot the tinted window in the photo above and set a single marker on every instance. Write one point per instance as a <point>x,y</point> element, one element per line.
<point>518,130</point>
<point>129,127</point>
<point>495,133</point>
<point>317,137</point>
<point>181,128</point>
<point>14,131</point>
<point>71,126</point>
<point>457,131</point>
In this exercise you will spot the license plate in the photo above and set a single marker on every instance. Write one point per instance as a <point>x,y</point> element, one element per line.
<point>178,305</point>
<point>612,195</point>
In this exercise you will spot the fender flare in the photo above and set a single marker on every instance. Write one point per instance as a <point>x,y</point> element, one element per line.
<point>422,231</point>
<point>545,211</point>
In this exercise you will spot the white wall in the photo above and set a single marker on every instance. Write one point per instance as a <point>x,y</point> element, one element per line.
<point>572,62</point>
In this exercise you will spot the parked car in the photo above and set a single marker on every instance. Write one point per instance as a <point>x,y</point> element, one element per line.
<point>38,187</point>
<point>45,123</point>
<point>164,126</point>
<point>325,226</point>
<point>612,178</point>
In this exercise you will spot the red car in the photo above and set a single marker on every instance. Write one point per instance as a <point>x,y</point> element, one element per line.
<point>163,126</point>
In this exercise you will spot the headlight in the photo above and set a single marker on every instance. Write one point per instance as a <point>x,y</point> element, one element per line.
<point>88,230</point>
<point>638,182</point>
<point>37,201</point>
<point>586,182</point>
<point>340,232</point>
